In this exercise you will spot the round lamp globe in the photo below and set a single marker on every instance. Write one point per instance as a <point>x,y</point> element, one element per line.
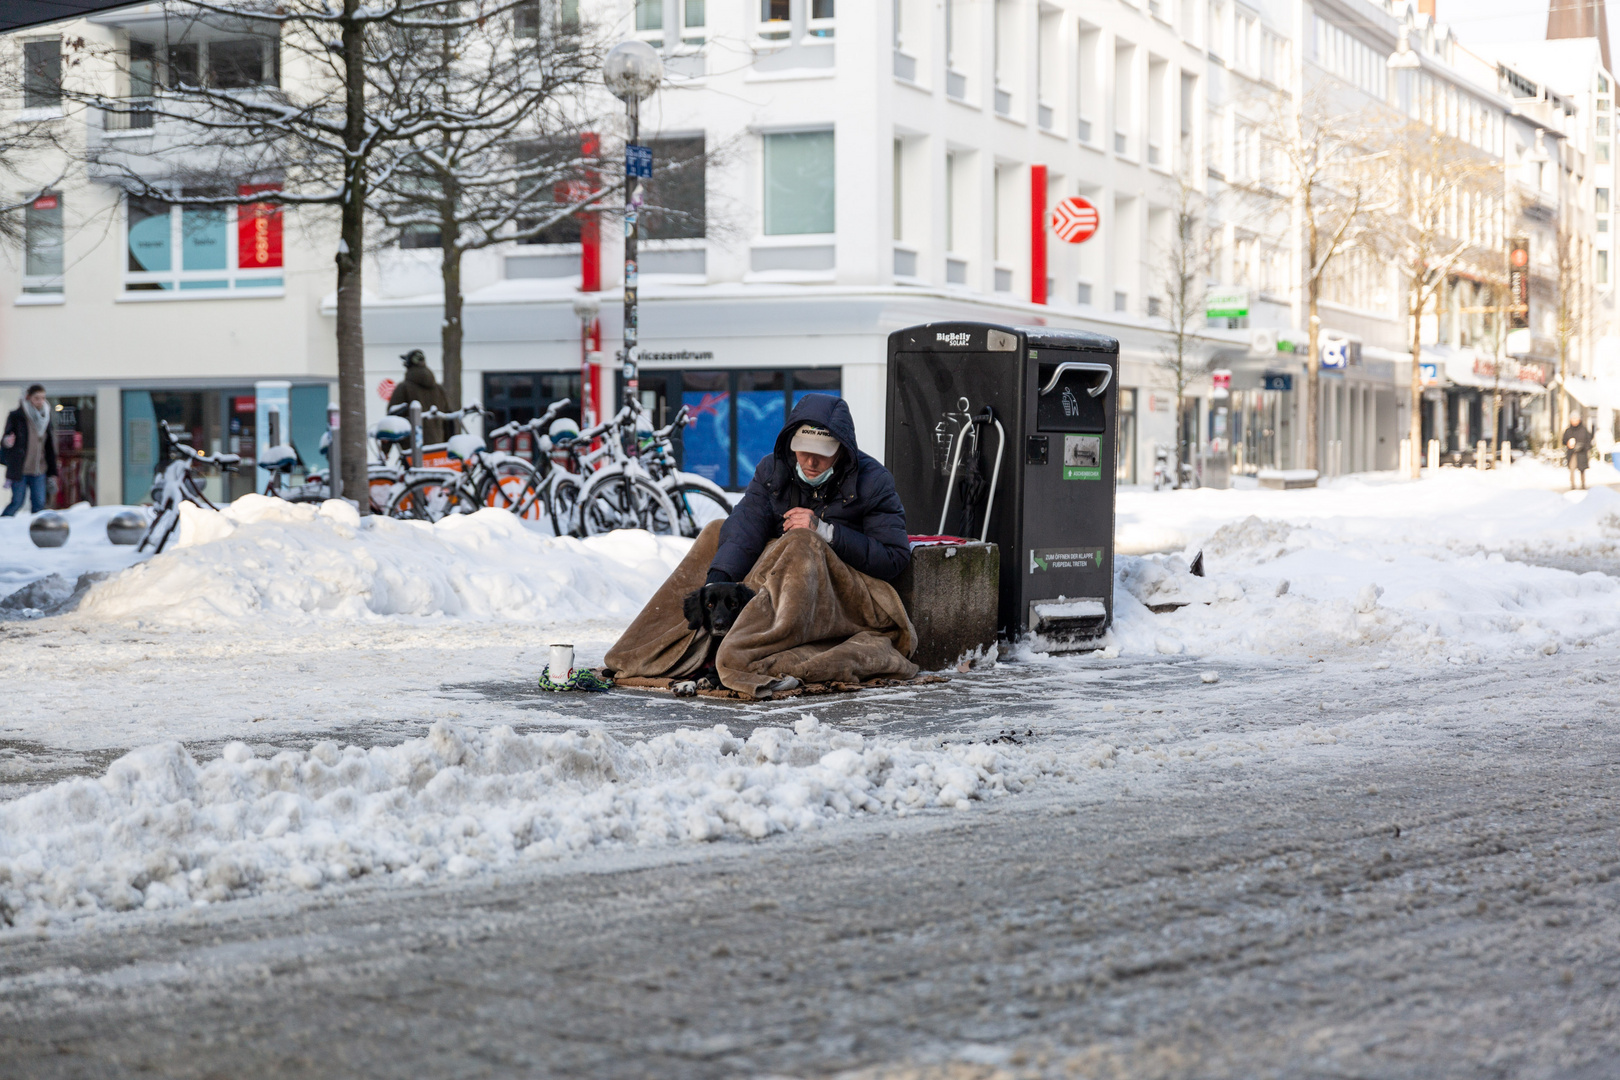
<point>632,70</point>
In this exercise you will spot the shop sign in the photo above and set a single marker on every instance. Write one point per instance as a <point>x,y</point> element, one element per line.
<point>243,404</point>
<point>1074,220</point>
<point>258,231</point>
<point>45,202</point>
<point>1335,354</point>
<point>385,389</point>
<point>1224,302</point>
<point>1519,282</point>
<point>638,161</point>
<point>1277,380</point>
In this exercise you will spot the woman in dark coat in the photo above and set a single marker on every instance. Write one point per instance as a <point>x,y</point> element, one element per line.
<point>28,451</point>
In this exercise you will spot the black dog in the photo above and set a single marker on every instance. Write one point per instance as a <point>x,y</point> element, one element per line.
<point>713,608</point>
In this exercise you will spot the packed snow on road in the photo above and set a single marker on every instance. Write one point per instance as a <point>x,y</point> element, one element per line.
<point>293,697</point>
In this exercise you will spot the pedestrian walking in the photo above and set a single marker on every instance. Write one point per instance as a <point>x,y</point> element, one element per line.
<point>1577,449</point>
<point>28,451</point>
<point>420,386</point>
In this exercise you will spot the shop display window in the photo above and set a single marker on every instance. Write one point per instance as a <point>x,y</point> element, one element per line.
<point>192,247</point>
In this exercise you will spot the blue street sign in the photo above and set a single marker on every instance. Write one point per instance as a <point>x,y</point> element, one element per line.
<point>1335,355</point>
<point>638,161</point>
<point>1431,374</point>
<point>1276,381</point>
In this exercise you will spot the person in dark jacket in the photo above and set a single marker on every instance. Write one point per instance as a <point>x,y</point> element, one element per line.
<point>817,478</point>
<point>420,386</point>
<point>28,451</point>
<point>1577,442</point>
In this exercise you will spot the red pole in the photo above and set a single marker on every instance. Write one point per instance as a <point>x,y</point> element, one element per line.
<point>1037,234</point>
<point>590,272</point>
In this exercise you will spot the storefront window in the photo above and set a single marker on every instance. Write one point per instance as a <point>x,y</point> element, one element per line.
<point>1125,459</point>
<point>222,247</point>
<point>735,416</point>
<point>524,395</point>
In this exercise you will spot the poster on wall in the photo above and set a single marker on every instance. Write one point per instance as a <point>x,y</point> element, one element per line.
<point>258,231</point>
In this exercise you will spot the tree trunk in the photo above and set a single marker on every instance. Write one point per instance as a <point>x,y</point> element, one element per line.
<point>450,333</point>
<point>1415,428</point>
<point>1313,380</point>
<point>351,340</point>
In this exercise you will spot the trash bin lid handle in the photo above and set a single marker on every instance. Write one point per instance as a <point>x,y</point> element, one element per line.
<point>1080,365</point>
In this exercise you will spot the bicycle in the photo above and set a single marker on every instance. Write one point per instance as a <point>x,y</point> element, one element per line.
<point>175,484</point>
<point>623,494</point>
<point>480,478</point>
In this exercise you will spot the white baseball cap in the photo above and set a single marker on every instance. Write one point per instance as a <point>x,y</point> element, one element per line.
<point>814,440</point>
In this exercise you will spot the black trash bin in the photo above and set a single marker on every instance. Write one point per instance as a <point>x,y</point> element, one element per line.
<point>1009,434</point>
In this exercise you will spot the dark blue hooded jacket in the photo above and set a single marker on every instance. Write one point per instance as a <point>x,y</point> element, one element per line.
<point>869,524</point>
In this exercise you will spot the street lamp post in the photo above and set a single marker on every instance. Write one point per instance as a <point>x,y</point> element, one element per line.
<point>632,72</point>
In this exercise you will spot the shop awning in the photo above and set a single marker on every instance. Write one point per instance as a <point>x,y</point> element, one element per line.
<point>1467,367</point>
<point>1586,391</point>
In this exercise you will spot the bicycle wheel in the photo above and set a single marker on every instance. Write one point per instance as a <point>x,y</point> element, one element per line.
<point>562,494</point>
<point>514,485</point>
<point>624,502</point>
<point>426,498</point>
<point>696,505</point>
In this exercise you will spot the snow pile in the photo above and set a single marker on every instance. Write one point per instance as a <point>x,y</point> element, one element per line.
<point>266,557</point>
<point>159,830</point>
<point>1430,570</point>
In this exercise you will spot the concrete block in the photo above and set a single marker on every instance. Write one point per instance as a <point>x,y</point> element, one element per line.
<point>951,594</point>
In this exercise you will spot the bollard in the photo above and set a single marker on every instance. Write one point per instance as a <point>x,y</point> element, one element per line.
<point>1507,455</point>
<point>415,434</point>
<point>1482,455</point>
<point>1434,453</point>
<point>334,452</point>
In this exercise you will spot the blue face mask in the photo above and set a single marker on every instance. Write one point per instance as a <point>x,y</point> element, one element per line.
<point>818,481</point>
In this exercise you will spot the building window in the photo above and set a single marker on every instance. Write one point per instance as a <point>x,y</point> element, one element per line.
<point>799,183</point>
<point>821,19</point>
<point>774,19</point>
<point>1603,267</point>
<point>693,21</point>
<point>230,64</point>
<point>1602,200</point>
<point>526,17</point>
<point>42,243</point>
<point>42,74</point>
<point>201,247</point>
<point>899,215</point>
<point>673,201</point>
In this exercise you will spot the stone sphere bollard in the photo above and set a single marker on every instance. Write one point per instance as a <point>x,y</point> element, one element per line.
<point>126,527</point>
<point>48,530</point>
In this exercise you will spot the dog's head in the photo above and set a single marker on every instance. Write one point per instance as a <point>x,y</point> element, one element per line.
<point>716,606</point>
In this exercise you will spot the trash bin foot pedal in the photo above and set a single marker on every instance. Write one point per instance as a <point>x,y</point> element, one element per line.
<point>1068,622</point>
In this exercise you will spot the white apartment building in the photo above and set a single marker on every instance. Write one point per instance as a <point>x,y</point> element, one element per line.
<point>875,170</point>
<point>871,165</point>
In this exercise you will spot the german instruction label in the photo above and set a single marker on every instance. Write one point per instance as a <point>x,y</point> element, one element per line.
<point>1082,457</point>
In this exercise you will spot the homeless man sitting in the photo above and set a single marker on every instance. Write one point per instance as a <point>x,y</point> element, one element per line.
<point>794,586</point>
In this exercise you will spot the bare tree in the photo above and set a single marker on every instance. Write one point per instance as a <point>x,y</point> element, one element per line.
<point>1187,258</point>
<point>1316,158</point>
<point>1571,307</point>
<point>526,173</point>
<point>1431,180</point>
<point>358,102</point>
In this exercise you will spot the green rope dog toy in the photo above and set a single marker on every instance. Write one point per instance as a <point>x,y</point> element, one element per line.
<point>578,679</point>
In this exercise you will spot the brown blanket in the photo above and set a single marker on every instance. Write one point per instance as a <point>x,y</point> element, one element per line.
<point>814,619</point>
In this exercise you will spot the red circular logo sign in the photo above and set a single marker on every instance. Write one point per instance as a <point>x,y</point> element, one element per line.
<point>1520,256</point>
<point>1074,219</point>
<point>385,389</point>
